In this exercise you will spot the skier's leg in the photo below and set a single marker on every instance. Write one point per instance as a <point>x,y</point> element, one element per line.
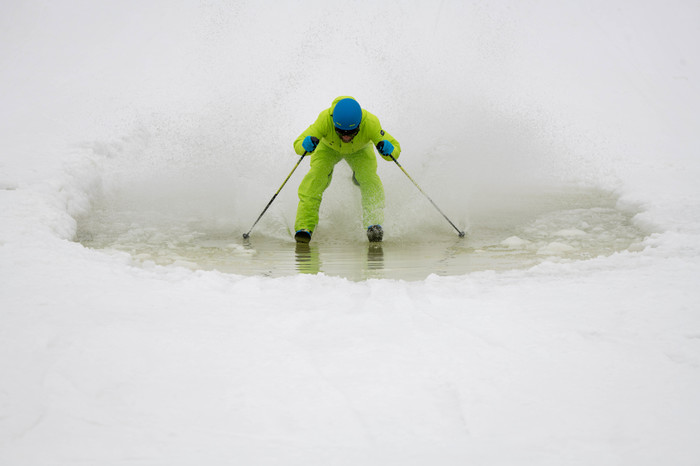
<point>364,164</point>
<point>313,185</point>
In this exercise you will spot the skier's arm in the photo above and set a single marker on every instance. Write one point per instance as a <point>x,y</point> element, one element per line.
<point>317,130</point>
<point>377,134</point>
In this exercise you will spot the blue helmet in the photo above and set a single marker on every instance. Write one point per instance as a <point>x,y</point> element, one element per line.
<point>347,114</point>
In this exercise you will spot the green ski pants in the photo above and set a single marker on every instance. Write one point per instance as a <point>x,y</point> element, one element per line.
<point>363,163</point>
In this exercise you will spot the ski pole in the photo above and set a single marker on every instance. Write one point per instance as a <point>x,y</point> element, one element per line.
<point>247,235</point>
<point>461,233</point>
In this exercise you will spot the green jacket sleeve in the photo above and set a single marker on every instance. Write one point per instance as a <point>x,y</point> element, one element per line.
<point>318,129</point>
<point>376,134</point>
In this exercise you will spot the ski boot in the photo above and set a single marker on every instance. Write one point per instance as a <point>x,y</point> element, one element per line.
<point>302,236</point>
<point>375,233</point>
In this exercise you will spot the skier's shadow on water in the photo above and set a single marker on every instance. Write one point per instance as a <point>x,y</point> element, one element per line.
<point>308,258</point>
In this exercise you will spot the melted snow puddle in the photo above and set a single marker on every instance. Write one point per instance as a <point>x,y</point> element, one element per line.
<point>558,225</point>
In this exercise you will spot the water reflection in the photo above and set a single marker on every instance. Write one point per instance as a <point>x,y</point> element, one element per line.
<point>308,260</point>
<point>375,256</point>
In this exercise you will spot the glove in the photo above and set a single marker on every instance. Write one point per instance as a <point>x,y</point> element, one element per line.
<point>309,144</point>
<point>385,147</point>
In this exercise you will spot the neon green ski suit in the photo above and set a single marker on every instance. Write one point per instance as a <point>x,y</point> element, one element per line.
<point>358,153</point>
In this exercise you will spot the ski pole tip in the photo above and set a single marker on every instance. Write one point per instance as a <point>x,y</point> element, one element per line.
<point>462,234</point>
<point>246,236</point>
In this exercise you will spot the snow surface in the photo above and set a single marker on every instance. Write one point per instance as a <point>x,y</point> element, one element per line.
<point>192,106</point>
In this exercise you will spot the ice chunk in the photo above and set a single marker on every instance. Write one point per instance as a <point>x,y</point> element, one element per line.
<point>514,242</point>
<point>570,232</point>
<point>555,248</point>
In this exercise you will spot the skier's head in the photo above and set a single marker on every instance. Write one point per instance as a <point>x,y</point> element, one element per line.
<point>347,115</point>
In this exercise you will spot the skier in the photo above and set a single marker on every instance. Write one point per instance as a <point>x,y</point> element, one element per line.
<point>344,131</point>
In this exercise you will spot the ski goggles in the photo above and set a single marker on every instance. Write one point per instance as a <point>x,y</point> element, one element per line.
<point>347,132</point>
